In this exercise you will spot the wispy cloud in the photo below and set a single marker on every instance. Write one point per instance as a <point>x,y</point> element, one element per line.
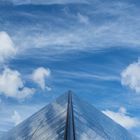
<point>122,117</point>
<point>16,118</point>
<point>19,2</point>
<point>83,19</point>
<point>89,75</point>
<point>13,114</point>
<point>112,29</point>
<point>97,25</point>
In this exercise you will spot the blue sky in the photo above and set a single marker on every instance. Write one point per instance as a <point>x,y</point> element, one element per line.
<point>89,46</point>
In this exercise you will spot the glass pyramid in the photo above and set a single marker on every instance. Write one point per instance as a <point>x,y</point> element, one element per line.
<point>68,118</point>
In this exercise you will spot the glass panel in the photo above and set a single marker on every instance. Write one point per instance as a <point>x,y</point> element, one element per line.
<point>48,123</point>
<point>92,124</point>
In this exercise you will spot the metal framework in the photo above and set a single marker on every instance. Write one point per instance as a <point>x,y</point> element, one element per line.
<point>70,128</point>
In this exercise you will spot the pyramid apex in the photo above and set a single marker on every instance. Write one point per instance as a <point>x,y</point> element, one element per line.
<point>69,93</point>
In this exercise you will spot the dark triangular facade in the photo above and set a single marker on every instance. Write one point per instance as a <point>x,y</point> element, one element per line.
<point>69,118</point>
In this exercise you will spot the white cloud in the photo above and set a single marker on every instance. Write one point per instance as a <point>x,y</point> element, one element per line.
<point>16,118</point>
<point>116,31</point>
<point>83,19</point>
<point>122,118</point>
<point>11,85</point>
<point>131,76</point>
<point>19,2</point>
<point>87,75</point>
<point>24,110</point>
<point>60,40</point>
<point>7,49</point>
<point>39,75</point>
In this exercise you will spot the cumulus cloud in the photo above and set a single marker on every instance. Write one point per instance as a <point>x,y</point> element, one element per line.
<point>122,118</point>
<point>7,48</point>
<point>16,118</point>
<point>11,85</point>
<point>39,75</point>
<point>131,76</point>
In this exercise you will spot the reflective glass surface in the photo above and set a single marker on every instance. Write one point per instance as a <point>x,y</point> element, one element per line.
<point>47,124</point>
<point>86,122</point>
<point>91,124</point>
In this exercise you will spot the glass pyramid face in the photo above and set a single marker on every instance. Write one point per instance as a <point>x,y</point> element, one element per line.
<point>91,124</point>
<point>46,124</point>
<point>68,118</point>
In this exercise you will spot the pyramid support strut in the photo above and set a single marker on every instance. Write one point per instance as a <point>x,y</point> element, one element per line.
<point>69,129</point>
